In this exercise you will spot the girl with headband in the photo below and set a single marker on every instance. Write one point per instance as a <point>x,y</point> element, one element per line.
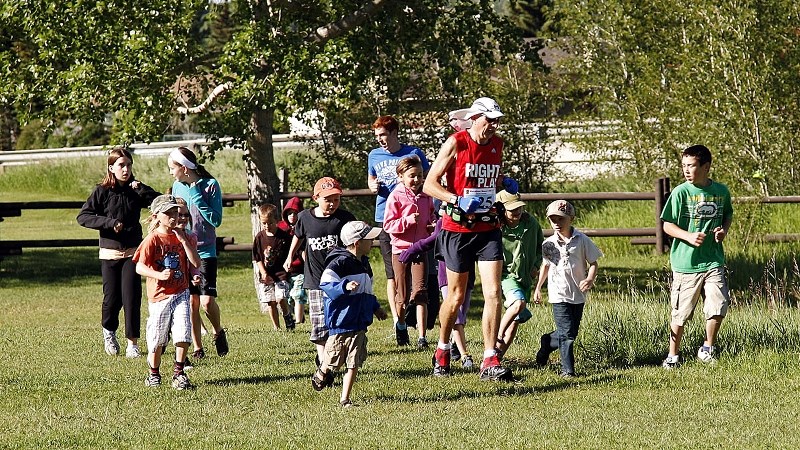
<point>203,194</point>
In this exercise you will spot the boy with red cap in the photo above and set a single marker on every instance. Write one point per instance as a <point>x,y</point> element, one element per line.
<point>317,230</point>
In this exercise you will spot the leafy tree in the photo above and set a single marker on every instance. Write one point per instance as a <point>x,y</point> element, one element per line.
<point>671,73</point>
<point>240,64</point>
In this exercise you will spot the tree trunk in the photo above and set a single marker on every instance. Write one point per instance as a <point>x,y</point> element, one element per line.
<point>8,129</point>
<point>262,177</point>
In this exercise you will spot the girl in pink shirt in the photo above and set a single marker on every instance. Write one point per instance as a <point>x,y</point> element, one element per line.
<point>409,218</point>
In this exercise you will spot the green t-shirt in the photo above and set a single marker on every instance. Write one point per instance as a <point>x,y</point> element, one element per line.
<point>695,209</point>
<point>522,250</point>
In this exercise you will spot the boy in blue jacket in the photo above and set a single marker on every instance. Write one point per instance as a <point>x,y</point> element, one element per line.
<point>349,305</point>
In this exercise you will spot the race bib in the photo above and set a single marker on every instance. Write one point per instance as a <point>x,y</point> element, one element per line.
<point>486,195</point>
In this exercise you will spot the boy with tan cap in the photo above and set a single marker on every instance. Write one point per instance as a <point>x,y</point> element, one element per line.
<point>570,268</point>
<point>522,256</point>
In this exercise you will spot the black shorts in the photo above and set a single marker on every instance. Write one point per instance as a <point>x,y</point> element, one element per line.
<point>208,268</point>
<point>386,251</point>
<point>461,251</point>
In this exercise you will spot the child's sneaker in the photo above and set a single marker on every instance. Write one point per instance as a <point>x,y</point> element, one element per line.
<point>402,336</point>
<point>492,370</point>
<point>422,343</point>
<point>289,320</point>
<point>110,342</point>
<point>543,355</point>
<point>671,362</point>
<point>181,382</point>
<point>706,355</point>
<point>441,363</point>
<point>221,342</point>
<point>187,364</point>
<point>199,354</point>
<point>152,380</point>
<point>467,362</point>
<point>133,352</point>
<point>455,354</point>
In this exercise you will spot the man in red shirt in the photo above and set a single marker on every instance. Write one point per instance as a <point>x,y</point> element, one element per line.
<point>469,161</point>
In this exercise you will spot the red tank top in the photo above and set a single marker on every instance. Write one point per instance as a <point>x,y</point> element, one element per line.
<point>474,174</point>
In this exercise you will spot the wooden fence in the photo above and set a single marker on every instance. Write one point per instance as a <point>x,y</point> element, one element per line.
<point>653,235</point>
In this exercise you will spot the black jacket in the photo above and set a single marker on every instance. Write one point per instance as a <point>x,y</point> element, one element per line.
<point>105,207</point>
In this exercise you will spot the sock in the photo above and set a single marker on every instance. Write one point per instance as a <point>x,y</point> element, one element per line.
<point>442,346</point>
<point>489,353</point>
<point>154,371</point>
<point>179,367</point>
<point>401,326</point>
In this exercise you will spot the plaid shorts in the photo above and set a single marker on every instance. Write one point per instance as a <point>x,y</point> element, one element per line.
<point>316,310</point>
<point>171,315</point>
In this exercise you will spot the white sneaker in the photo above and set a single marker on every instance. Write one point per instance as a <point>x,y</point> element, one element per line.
<point>133,352</point>
<point>671,362</point>
<point>706,356</point>
<point>110,342</point>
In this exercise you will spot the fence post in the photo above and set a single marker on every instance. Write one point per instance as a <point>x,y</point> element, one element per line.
<point>662,191</point>
<point>283,185</point>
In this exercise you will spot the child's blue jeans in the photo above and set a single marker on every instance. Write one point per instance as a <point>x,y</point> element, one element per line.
<point>567,317</point>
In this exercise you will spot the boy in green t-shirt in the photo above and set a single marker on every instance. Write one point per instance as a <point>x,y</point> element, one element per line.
<point>522,255</point>
<point>697,215</point>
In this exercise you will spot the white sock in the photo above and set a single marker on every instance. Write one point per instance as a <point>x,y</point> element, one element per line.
<point>443,346</point>
<point>489,353</point>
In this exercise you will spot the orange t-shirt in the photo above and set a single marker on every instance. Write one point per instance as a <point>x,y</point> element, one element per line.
<point>164,251</point>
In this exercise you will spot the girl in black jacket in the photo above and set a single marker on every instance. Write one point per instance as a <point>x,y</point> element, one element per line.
<point>114,208</point>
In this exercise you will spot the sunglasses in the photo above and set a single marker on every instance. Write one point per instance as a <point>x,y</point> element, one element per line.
<point>495,120</point>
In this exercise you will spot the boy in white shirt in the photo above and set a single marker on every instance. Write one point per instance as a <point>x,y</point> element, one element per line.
<point>570,267</point>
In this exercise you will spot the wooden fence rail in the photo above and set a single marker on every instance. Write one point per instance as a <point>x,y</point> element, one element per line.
<point>639,236</point>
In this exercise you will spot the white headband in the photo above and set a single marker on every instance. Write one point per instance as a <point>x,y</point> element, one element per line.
<point>178,157</point>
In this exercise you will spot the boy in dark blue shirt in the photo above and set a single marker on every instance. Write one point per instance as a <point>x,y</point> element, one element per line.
<point>349,304</point>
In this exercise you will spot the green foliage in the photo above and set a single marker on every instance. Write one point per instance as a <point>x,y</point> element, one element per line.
<point>65,133</point>
<point>531,16</point>
<point>671,74</point>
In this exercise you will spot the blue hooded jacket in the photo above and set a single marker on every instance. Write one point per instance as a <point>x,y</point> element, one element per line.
<point>347,311</point>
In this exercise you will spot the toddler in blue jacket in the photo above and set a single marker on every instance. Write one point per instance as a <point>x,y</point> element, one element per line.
<point>349,305</point>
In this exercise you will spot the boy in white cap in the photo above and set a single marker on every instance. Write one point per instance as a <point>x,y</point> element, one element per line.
<point>350,304</point>
<point>470,162</point>
<point>165,257</point>
<point>570,267</point>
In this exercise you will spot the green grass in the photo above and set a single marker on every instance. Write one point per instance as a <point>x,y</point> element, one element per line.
<point>59,390</point>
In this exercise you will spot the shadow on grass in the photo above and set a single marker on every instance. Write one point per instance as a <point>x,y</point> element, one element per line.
<point>67,266</point>
<point>500,389</point>
<point>264,379</point>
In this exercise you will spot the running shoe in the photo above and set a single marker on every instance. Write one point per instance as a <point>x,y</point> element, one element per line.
<point>491,370</point>
<point>221,342</point>
<point>441,363</point>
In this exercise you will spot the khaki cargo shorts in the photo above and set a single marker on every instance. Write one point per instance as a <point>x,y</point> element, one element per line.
<point>687,289</point>
<point>349,349</point>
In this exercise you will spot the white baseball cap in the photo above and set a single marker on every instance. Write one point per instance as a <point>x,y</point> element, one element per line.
<point>357,230</point>
<point>484,105</point>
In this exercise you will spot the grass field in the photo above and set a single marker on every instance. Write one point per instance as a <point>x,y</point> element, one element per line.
<point>59,390</point>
